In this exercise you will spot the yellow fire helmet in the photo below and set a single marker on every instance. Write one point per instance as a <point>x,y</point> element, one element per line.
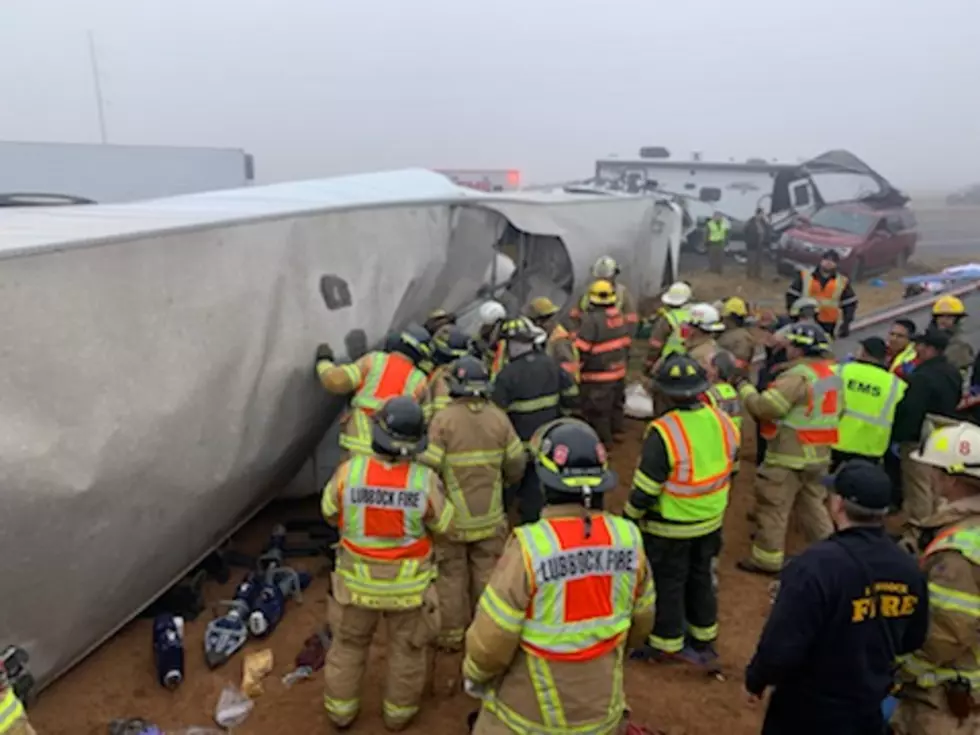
<point>602,293</point>
<point>735,307</point>
<point>948,306</point>
<point>541,308</point>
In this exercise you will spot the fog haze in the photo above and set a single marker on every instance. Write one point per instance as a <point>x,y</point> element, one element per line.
<point>322,87</point>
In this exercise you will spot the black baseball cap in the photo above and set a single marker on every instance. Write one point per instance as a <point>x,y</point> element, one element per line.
<point>830,254</point>
<point>862,483</point>
<point>875,347</point>
<point>933,337</point>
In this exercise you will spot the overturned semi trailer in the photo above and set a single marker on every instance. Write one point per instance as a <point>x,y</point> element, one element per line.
<point>155,369</point>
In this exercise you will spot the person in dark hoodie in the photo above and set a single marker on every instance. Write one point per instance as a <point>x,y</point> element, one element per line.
<point>846,608</point>
<point>935,386</point>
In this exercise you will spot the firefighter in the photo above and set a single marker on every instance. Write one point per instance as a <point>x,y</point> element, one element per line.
<point>948,314</point>
<point>603,343</point>
<point>449,344</point>
<point>373,379</point>
<point>13,717</point>
<point>939,682</point>
<point>837,302</point>
<point>871,395</point>
<point>478,453</point>
<point>737,339</point>
<point>704,325</point>
<point>437,319</point>
<point>666,333</point>
<point>486,344</point>
<point>799,415</point>
<point>678,500</point>
<point>607,269</point>
<point>569,595</point>
<point>721,394</point>
<point>386,506</point>
<point>561,343</point>
<point>533,390</point>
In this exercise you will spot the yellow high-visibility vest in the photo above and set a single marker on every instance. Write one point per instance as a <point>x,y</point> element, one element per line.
<point>11,710</point>
<point>871,395</point>
<point>717,230</point>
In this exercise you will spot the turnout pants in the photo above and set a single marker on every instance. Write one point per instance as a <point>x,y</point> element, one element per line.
<point>410,634</point>
<point>778,491</point>
<point>21,726</point>
<point>919,500</point>
<point>917,717</point>
<point>464,570</point>
<point>528,495</point>
<point>619,405</point>
<point>686,597</point>
<point>598,402</point>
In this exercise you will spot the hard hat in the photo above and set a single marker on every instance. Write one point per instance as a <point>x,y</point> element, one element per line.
<point>706,317</point>
<point>541,308</point>
<point>469,377</point>
<point>605,267</point>
<point>954,448</point>
<point>602,293</point>
<point>681,376</point>
<point>735,307</point>
<point>572,459</point>
<point>518,330</point>
<point>413,341</point>
<point>399,429</point>
<point>438,318</point>
<point>491,312</point>
<point>450,343</point>
<point>811,338</point>
<point>804,302</point>
<point>678,294</point>
<point>948,306</point>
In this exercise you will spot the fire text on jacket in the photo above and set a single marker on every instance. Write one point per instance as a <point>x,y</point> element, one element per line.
<point>379,497</point>
<point>583,563</point>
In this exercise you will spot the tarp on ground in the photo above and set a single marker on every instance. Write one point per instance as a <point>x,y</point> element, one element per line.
<point>156,366</point>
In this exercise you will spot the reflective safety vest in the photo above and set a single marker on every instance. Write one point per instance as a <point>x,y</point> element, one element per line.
<point>701,446</point>
<point>382,520</point>
<point>902,359</point>
<point>724,397</point>
<point>816,423</point>
<point>499,358</point>
<point>717,230</point>
<point>390,375</point>
<point>560,334</point>
<point>582,587</point>
<point>11,710</point>
<point>871,395</point>
<point>827,296</point>
<point>966,541</point>
<point>677,319</point>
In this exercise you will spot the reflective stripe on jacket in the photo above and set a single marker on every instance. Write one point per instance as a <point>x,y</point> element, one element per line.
<point>900,361</point>
<point>561,346</point>
<point>815,423</point>
<point>871,395</point>
<point>702,445</point>
<point>828,295</point>
<point>11,710</point>
<point>725,398</point>
<point>678,319</point>
<point>603,342</point>
<point>384,513</point>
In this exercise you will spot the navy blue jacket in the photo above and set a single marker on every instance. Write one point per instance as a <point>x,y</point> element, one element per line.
<point>824,648</point>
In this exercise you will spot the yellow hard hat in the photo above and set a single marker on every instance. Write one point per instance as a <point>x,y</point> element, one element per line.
<point>735,307</point>
<point>948,306</point>
<point>602,293</point>
<point>541,308</point>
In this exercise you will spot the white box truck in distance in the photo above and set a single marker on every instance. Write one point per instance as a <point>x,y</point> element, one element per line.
<point>119,173</point>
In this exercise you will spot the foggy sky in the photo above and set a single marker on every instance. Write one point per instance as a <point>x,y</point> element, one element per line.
<point>321,87</point>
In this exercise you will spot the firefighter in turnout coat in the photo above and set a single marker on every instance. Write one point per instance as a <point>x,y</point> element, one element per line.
<point>478,453</point>
<point>569,595</point>
<point>386,507</point>
<point>448,345</point>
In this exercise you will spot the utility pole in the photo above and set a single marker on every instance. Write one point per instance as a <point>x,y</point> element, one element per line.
<point>97,86</point>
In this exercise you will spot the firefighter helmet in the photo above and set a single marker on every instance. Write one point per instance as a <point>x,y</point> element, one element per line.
<point>605,267</point>
<point>948,306</point>
<point>804,302</point>
<point>541,308</point>
<point>519,330</point>
<point>449,343</point>
<point>469,377</point>
<point>602,293</point>
<point>678,294</point>
<point>811,338</point>
<point>735,307</point>
<point>437,319</point>
<point>414,341</point>
<point>492,312</point>
<point>399,429</point>
<point>706,318</point>
<point>953,448</point>
<point>681,376</point>
<point>572,459</point>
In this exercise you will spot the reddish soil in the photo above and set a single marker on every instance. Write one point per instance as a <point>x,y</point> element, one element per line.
<point>118,680</point>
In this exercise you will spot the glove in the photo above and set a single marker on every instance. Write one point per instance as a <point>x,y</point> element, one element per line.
<point>477,691</point>
<point>324,352</point>
<point>844,330</point>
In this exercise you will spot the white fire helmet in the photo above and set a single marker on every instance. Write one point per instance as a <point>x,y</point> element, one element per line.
<point>706,317</point>
<point>492,312</point>
<point>678,294</point>
<point>953,447</point>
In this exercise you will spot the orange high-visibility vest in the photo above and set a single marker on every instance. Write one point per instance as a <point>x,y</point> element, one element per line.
<point>827,296</point>
<point>391,375</point>
<point>815,424</point>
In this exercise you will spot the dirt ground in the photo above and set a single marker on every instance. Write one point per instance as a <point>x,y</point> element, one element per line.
<point>118,680</point>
